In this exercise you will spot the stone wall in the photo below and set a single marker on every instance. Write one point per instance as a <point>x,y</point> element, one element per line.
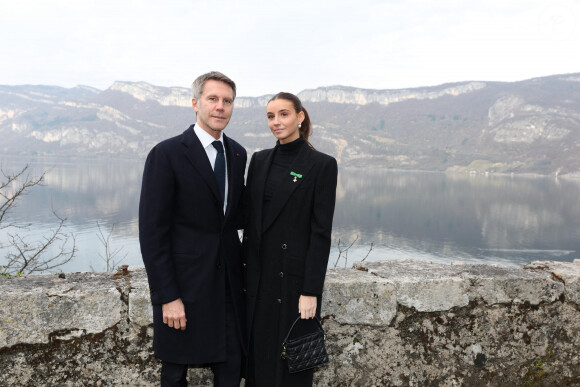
<point>394,323</point>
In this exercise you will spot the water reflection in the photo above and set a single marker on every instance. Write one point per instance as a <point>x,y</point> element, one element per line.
<point>86,192</point>
<point>498,219</point>
<point>405,215</point>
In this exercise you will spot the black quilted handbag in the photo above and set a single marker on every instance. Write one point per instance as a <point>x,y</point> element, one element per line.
<point>306,351</point>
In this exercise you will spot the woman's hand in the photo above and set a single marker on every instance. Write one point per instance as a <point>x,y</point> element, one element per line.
<point>307,307</point>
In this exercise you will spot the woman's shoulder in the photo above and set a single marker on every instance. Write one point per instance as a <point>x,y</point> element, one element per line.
<point>321,156</point>
<point>261,154</point>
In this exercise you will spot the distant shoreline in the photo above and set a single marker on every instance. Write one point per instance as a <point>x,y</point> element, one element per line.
<point>452,171</point>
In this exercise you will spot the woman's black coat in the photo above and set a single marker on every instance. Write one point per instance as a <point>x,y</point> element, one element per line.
<point>286,251</point>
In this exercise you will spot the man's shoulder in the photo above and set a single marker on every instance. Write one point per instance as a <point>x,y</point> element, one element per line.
<point>172,142</point>
<point>235,145</point>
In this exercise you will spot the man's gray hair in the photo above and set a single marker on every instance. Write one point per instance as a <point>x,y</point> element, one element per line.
<point>197,85</point>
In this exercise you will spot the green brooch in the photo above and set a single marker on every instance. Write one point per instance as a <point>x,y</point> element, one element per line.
<point>296,175</point>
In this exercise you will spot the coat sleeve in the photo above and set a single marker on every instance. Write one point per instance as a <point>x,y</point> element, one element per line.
<point>155,223</point>
<point>320,228</point>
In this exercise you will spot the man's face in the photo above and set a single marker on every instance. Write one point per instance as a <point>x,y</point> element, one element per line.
<point>214,107</point>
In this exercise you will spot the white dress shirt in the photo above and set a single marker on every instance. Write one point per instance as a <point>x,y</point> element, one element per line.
<point>206,142</point>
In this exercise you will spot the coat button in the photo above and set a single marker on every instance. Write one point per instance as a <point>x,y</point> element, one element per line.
<point>244,290</point>
<point>279,301</point>
<point>281,275</point>
<point>244,264</point>
<point>284,247</point>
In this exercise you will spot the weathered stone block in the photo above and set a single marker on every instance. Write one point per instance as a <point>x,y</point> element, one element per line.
<point>36,308</point>
<point>565,272</point>
<point>501,284</point>
<point>140,310</point>
<point>425,286</point>
<point>354,297</point>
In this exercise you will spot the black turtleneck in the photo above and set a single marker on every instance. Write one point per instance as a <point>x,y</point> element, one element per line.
<point>284,155</point>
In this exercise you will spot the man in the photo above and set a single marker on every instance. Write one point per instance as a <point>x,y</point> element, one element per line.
<point>189,241</point>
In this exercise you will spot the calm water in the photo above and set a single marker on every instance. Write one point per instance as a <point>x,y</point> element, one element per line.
<point>403,215</point>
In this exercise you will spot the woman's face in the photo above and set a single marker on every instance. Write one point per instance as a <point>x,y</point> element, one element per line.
<point>283,120</point>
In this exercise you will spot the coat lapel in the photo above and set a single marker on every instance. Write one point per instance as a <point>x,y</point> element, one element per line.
<point>301,166</point>
<point>233,170</point>
<point>198,158</point>
<point>259,175</point>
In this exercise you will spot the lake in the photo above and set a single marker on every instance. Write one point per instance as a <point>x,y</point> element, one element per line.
<point>380,214</point>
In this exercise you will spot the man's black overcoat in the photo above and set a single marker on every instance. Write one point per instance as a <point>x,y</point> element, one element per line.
<point>189,247</point>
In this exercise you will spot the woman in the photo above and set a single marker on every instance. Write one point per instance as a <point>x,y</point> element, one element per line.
<point>292,190</point>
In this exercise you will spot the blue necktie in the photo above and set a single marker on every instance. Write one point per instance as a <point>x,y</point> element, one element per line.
<point>220,168</point>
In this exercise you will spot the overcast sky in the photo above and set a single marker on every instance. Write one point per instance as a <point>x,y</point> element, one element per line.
<point>268,46</point>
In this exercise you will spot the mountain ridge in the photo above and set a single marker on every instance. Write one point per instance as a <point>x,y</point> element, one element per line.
<point>529,126</point>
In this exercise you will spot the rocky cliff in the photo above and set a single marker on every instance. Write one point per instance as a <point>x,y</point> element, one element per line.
<point>531,126</point>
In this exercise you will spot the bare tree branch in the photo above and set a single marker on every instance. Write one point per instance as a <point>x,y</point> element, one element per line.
<point>368,252</point>
<point>14,186</point>
<point>52,250</point>
<point>343,248</point>
<point>110,256</point>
